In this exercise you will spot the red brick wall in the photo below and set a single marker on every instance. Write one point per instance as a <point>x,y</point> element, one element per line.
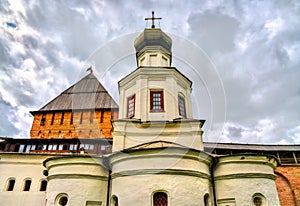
<point>84,124</point>
<point>288,184</point>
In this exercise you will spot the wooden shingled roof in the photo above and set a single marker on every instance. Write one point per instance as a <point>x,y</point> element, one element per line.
<point>86,94</point>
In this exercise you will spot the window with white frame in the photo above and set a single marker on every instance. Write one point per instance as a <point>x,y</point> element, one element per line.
<point>114,201</point>
<point>181,106</point>
<point>258,200</point>
<point>61,199</point>
<point>130,106</point>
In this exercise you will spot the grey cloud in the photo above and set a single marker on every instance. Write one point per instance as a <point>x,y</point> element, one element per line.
<point>7,127</point>
<point>235,132</point>
<point>213,31</point>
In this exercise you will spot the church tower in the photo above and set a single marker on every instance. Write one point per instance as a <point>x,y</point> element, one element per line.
<point>155,99</point>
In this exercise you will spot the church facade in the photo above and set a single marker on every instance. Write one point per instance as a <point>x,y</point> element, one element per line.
<point>151,154</point>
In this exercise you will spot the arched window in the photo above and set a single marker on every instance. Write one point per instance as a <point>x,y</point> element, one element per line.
<point>43,186</point>
<point>10,184</point>
<point>258,200</point>
<point>114,201</point>
<point>160,199</point>
<point>61,199</point>
<point>206,199</point>
<point>27,184</point>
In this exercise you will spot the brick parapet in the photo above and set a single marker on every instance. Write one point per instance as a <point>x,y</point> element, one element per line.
<point>287,183</point>
<point>73,124</point>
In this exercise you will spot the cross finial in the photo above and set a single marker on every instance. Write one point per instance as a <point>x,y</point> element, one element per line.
<point>90,69</point>
<point>152,18</point>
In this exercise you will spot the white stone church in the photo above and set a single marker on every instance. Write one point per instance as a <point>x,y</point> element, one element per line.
<point>157,157</point>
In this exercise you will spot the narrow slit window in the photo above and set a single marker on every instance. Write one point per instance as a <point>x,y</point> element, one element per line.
<point>115,201</point>
<point>11,185</point>
<point>92,117</point>
<point>62,118</point>
<point>81,116</point>
<point>43,185</point>
<point>206,200</point>
<point>27,185</point>
<point>130,106</point>
<point>52,119</point>
<point>157,101</point>
<point>101,117</point>
<point>43,120</point>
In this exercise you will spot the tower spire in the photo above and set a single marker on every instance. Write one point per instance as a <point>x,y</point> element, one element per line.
<point>153,18</point>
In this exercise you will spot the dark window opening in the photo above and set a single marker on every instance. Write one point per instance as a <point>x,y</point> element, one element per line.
<point>112,115</point>
<point>115,201</point>
<point>160,199</point>
<point>43,185</point>
<point>102,116</point>
<point>206,200</point>
<point>62,118</point>
<point>43,120</point>
<point>63,201</point>
<point>156,101</point>
<point>71,120</point>
<point>17,147</point>
<point>257,201</point>
<point>27,185</point>
<point>52,119</point>
<point>11,184</point>
<point>65,147</point>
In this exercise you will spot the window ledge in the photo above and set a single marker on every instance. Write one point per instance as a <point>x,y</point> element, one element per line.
<point>157,111</point>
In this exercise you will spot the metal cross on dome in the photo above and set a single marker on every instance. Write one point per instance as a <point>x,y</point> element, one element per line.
<point>153,18</point>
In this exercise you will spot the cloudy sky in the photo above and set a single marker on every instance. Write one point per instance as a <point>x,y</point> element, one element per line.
<point>254,47</point>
